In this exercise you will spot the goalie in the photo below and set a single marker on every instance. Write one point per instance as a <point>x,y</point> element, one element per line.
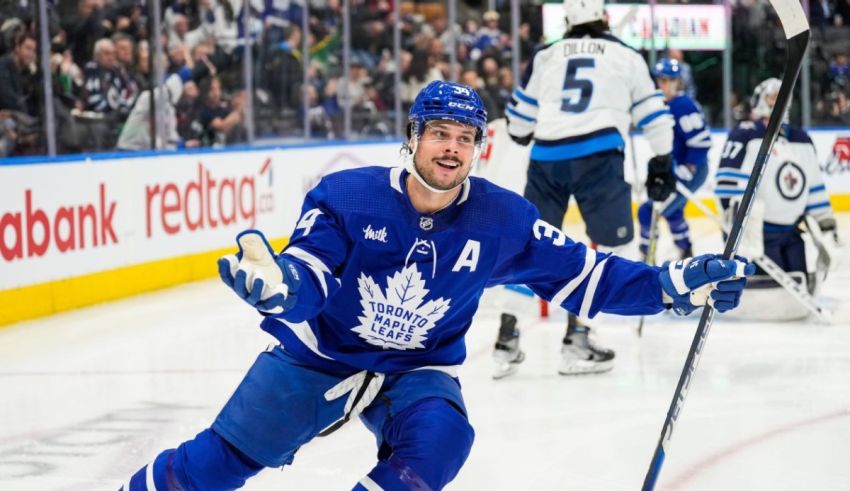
<point>791,221</point>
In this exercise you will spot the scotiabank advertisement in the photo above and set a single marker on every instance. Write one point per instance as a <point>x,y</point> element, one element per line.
<point>68,219</point>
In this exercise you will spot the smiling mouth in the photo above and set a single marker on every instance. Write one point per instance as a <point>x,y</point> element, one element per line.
<point>448,164</point>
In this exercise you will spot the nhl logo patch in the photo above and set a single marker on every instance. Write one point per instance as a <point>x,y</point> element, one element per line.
<point>426,223</point>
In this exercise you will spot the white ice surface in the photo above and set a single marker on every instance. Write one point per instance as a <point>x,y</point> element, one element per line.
<point>89,396</point>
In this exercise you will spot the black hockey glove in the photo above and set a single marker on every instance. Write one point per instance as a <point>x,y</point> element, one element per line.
<point>660,180</point>
<point>523,140</point>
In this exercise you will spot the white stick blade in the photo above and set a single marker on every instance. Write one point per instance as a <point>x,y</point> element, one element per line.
<point>792,16</point>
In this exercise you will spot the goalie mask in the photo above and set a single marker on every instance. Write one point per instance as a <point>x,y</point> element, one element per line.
<point>444,101</point>
<point>764,97</point>
<point>583,11</point>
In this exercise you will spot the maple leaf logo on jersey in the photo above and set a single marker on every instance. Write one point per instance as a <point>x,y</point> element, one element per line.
<point>397,318</point>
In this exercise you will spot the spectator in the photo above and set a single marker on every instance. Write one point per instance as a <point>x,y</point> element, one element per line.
<point>85,27</point>
<point>839,72</point>
<point>489,35</point>
<point>13,68</point>
<point>834,110</point>
<point>219,119</point>
<point>135,134</point>
<point>415,75</point>
<point>8,136</point>
<point>283,72</point>
<point>189,125</point>
<point>106,90</point>
<point>820,13</point>
<point>470,77</point>
<point>125,64</point>
<point>141,74</point>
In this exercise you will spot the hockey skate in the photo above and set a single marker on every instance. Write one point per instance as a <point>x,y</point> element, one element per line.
<point>686,253</point>
<point>506,353</point>
<point>579,355</point>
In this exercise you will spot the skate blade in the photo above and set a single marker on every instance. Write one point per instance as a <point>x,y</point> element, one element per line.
<point>586,368</point>
<point>503,371</point>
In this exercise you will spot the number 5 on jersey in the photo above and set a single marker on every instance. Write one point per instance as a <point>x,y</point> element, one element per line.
<point>577,91</point>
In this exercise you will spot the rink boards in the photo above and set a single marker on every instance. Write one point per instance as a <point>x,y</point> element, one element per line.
<point>78,232</point>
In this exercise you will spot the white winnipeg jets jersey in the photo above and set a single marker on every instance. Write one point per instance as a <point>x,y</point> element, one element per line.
<point>792,184</point>
<point>580,95</point>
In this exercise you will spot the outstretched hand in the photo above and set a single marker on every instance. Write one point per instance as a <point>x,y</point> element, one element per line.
<point>254,274</point>
<point>691,283</point>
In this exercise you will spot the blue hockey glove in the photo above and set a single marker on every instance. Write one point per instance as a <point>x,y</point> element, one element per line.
<point>256,275</point>
<point>690,283</point>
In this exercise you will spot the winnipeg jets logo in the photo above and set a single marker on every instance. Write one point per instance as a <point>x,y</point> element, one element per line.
<point>791,180</point>
<point>397,318</point>
<point>379,235</point>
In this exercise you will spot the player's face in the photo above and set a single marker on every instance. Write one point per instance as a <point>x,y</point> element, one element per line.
<point>444,154</point>
<point>771,99</point>
<point>669,86</point>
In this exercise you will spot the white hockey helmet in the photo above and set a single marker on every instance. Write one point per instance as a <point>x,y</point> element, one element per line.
<point>583,11</point>
<point>758,102</point>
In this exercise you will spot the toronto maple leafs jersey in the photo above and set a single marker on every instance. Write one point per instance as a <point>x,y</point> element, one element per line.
<point>580,95</point>
<point>386,288</point>
<point>691,134</point>
<point>792,184</point>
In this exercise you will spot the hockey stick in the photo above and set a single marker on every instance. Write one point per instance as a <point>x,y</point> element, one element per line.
<point>651,249</point>
<point>770,267</point>
<point>796,30</point>
<point>636,187</point>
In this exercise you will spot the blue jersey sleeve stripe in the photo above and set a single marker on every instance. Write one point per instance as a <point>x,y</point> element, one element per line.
<point>733,175</point>
<point>518,114</point>
<point>524,98</point>
<point>729,192</point>
<point>650,96</point>
<point>592,284</point>
<point>573,284</point>
<point>652,117</point>
<point>815,206</point>
<point>815,189</point>
<point>315,264</point>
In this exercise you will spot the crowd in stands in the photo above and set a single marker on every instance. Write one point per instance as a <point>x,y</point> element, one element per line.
<point>101,66</point>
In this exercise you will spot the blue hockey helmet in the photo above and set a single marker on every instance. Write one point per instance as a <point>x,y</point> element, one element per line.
<point>667,68</point>
<point>448,101</point>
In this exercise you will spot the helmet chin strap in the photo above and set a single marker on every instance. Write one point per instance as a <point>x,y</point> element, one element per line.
<point>409,164</point>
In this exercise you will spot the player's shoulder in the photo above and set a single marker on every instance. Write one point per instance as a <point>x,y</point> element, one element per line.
<point>795,134</point>
<point>626,50</point>
<point>502,207</point>
<point>745,131</point>
<point>352,189</point>
<point>682,104</point>
<point>369,176</point>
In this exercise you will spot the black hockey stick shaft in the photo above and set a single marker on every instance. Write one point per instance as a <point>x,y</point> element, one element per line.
<point>797,33</point>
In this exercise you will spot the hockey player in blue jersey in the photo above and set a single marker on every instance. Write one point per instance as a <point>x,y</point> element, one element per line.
<point>373,296</point>
<point>791,202</point>
<point>575,105</point>
<point>691,142</point>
